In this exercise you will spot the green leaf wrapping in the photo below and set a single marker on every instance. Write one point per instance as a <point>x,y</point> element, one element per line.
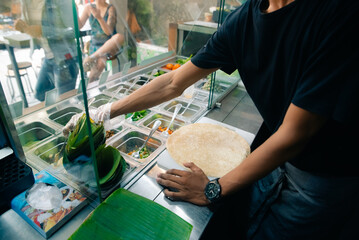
<point>110,164</point>
<point>109,161</point>
<point>125,215</point>
<point>78,142</point>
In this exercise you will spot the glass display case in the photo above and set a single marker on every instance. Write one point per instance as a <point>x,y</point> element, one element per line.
<point>55,68</point>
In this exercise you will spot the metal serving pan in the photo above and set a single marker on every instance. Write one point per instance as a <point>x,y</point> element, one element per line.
<point>131,139</point>
<point>64,115</point>
<point>165,119</point>
<point>33,133</point>
<point>190,110</point>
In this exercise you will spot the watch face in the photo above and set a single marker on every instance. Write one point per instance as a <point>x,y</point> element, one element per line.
<point>213,190</point>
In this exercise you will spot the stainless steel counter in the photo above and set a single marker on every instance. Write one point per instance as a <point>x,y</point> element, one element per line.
<point>237,110</point>
<point>197,216</point>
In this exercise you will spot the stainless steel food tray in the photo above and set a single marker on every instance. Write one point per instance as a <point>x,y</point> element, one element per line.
<point>33,133</point>
<point>190,111</point>
<point>165,118</point>
<point>127,141</point>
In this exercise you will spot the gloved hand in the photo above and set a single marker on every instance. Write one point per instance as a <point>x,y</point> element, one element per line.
<point>33,30</point>
<point>101,114</point>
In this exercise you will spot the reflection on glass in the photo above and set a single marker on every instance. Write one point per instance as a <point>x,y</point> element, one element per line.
<point>51,27</point>
<point>104,43</point>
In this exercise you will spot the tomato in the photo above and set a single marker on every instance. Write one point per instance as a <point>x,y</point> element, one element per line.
<point>169,66</point>
<point>176,66</point>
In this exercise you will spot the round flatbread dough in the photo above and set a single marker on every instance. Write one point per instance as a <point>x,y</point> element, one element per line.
<point>213,148</point>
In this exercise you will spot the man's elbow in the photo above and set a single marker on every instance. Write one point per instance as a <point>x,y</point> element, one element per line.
<point>174,88</point>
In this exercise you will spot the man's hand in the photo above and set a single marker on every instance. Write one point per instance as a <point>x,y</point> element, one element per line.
<point>189,185</point>
<point>20,25</point>
<point>33,30</point>
<point>101,114</point>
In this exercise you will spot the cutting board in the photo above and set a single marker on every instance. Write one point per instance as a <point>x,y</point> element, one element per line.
<point>165,161</point>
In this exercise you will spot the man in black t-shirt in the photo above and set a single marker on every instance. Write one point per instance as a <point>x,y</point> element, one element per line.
<point>298,61</point>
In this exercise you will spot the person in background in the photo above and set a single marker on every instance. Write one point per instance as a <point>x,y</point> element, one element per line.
<point>298,61</point>
<point>102,18</point>
<point>108,50</point>
<point>50,25</point>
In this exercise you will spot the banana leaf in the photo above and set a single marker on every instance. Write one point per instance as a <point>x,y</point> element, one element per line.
<point>109,162</point>
<point>78,142</point>
<point>125,215</point>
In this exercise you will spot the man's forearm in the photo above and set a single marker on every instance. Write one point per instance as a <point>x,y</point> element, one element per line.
<point>151,94</point>
<point>258,164</point>
<point>161,89</point>
<point>298,127</point>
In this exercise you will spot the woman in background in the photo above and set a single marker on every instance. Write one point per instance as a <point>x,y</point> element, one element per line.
<point>102,18</point>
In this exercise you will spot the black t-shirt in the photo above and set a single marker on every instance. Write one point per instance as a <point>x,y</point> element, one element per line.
<point>305,53</point>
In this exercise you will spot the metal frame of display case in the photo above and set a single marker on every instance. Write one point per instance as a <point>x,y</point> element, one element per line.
<point>6,118</point>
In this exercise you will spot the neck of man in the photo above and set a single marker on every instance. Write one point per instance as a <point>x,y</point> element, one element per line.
<point>274,5</point>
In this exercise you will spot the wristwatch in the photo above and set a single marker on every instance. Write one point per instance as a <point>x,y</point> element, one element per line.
<point>213,190</point>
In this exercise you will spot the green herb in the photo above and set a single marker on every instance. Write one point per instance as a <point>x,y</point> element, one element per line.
<point>144,153</point>
<point>183,61</point>
<point>159,73</point>
<point>137,115</point>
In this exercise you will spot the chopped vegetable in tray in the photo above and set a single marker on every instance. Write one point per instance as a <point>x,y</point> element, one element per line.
<point>183,61</point>
<point>137,115</point>
<point>162,129</point>
<point>179,63</point>
<point>109,133</point>
<point>159,73</point>
<point>144,153</point>
<point>171,66</point>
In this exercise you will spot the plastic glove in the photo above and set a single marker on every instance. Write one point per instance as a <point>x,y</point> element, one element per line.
<point>101,114</point>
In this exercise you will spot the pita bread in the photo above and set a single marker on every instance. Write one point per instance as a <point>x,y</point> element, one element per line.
<point>213,148</point>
